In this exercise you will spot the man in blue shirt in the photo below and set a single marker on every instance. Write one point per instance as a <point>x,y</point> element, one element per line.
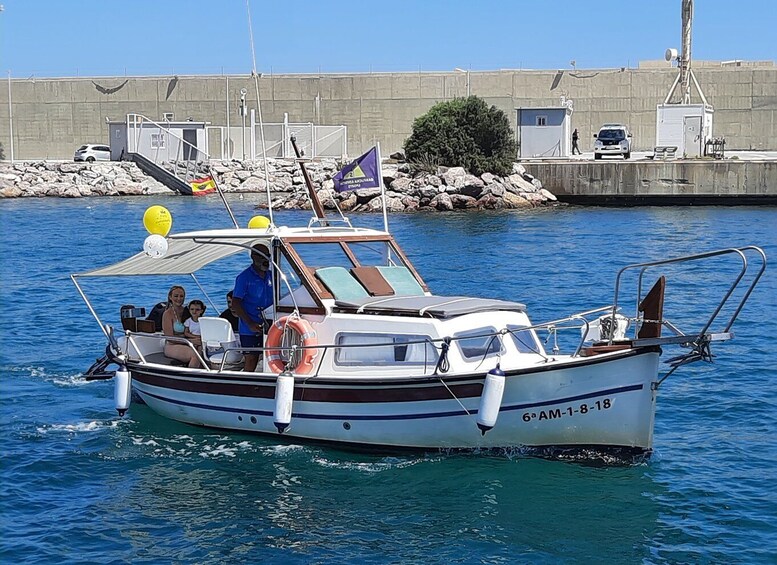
<point>253,293</point>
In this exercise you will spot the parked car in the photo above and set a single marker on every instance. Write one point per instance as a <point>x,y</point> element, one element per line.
<point>92,152</point>
<point>612,139</point>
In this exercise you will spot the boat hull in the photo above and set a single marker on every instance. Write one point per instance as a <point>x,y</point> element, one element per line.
<point>605,401</point>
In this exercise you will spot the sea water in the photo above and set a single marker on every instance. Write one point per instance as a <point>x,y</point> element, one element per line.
<point>81,485</point>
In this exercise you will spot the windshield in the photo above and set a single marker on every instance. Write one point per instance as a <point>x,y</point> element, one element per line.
<point>615,134</point>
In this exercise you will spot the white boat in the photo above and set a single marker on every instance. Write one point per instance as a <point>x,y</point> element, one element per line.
<point>362,354</point>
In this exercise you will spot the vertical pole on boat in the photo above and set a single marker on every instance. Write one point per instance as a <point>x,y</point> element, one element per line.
<point>318,209</point>
<point>382,187</point>
<point>255,76</point>
<point>223,198</point>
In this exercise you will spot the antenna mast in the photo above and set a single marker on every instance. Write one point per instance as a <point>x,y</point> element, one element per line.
<point>685,56</point>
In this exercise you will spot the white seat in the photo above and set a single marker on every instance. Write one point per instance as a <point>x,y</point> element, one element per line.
<point>217,336</point>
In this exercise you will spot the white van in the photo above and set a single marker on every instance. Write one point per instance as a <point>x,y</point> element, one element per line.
<point>612,139</point>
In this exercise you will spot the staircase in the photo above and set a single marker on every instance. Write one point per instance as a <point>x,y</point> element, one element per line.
<point>177,172</point>
<point>159,173</point>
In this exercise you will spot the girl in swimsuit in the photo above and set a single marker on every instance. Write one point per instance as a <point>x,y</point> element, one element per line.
<point>172,325</point>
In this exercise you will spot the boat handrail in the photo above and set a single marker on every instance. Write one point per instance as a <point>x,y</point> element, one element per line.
<point>687,258</point>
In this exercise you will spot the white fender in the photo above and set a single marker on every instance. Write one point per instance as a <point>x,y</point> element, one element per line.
<point>122,390</point>
<point>284,400</point>
<point>491,399</point>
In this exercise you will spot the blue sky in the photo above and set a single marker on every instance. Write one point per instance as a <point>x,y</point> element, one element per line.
<point>163,37</point>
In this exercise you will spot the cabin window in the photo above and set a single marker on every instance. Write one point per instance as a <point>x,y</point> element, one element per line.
<point>292,292</point>
<point>372,349</point>
<point>524,339</point>
<point>374,254</point>
<point>323,255</point>
<point>542,120</point>
<point>479,343</point>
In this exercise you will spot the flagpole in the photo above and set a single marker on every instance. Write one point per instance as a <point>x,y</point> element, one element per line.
<point>382,188</point>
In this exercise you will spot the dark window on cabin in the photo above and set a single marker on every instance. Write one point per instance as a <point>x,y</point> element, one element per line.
<point>373,349</point>
<point>479,343</point>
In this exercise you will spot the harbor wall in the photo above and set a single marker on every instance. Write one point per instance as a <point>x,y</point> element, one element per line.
<point>53,116</point>
<point>729,182</point>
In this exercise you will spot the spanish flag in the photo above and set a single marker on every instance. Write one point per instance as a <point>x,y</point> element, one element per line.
<point>203,186</point>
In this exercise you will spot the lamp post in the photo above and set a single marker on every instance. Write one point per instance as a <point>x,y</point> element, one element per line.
<point>466,72</point>
<point>10,110</point>
<point>243,93</point>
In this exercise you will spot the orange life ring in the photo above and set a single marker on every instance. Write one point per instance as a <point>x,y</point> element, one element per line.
<point>275,338</point>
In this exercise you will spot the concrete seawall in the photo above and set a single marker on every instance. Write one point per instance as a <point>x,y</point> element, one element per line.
<point>686,182</point>
<point>53,116</point>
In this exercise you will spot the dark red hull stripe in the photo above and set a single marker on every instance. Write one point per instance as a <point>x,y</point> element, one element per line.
<point>319,390</point>
<point>355,395</point>
<point>381,417</point>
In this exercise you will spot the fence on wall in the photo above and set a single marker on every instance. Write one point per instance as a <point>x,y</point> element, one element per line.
<point>245,142</point>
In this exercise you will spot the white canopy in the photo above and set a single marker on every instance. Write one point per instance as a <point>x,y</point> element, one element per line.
<point>186,253</point>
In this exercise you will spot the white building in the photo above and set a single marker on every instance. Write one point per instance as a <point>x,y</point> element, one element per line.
<point>165,141</point>
<point>687,127</point>
<point>544,132</point>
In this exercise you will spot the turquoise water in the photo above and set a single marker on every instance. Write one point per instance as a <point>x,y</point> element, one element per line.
<point>81,485</point>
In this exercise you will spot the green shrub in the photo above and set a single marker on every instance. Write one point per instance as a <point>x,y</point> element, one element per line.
<point>463,132</point>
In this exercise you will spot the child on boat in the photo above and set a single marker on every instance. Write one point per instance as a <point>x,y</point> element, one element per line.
<point>192,325</point>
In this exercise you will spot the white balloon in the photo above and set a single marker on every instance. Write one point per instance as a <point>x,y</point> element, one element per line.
<point>155,246</point>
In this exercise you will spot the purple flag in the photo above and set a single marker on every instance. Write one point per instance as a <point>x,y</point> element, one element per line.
<point>364,172</point>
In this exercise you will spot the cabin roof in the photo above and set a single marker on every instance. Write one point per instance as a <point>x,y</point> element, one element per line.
<point>431,306</point>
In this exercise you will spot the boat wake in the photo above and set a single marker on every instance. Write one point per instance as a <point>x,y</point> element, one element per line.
<point>80,427</point>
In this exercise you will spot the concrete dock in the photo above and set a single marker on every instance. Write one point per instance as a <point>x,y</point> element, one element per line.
<point>731,182</point>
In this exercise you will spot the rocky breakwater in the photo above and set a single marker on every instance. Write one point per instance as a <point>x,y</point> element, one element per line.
<point>445,189</point>
<point>73,180</point>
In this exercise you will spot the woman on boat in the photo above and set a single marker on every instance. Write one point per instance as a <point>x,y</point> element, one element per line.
<point>172,325</point>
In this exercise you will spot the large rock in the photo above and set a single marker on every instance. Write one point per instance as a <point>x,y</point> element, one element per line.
<point>402,185</point>
<point>496,189</point>
<point>490,202</point>
<point>517,184</point>
<point>442,202</point>
<point>427,192</point>
<point>514,201</point>
<point>364,195</point>
<point>349,202</point>
<point>548,195</point>
<point>463,201</point>
<point>10,192</point>
<point>252,184</point>
<point>449,176</point>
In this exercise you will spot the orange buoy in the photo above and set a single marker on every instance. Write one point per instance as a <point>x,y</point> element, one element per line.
<point>275,337</point>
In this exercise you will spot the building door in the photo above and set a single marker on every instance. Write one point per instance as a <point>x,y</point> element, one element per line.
<point>692,136</point>
<point>190,147</point>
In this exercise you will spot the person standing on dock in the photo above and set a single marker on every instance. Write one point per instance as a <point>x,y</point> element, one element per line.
<point>575,139</point>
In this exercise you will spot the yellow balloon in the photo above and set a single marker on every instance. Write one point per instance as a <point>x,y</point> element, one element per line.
<point>259,222</point>
<point>158,220</point>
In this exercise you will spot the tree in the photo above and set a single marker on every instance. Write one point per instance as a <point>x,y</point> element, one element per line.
<point>463,132</point>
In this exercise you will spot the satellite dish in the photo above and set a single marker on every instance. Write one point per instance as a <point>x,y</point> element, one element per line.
<point>670,54</point>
